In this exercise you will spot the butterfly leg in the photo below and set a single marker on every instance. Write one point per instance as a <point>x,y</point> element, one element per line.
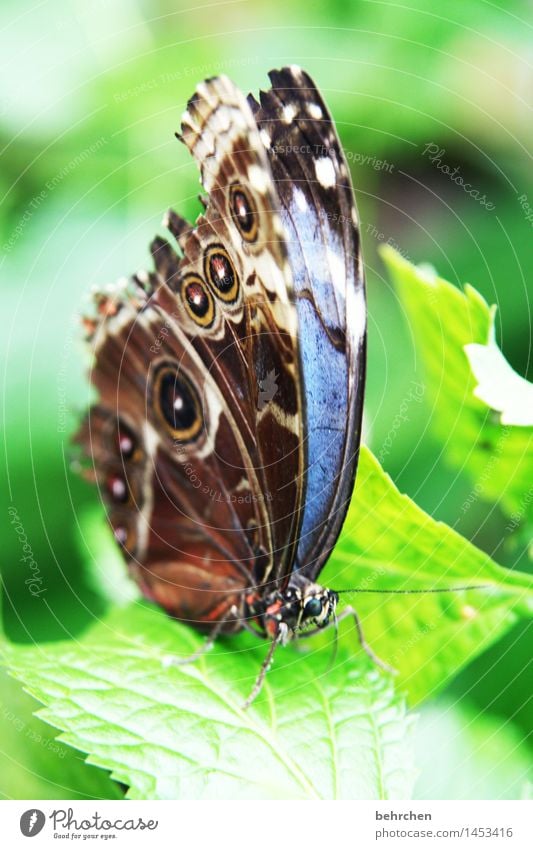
<point>350,611</point>
<point>265,666</point>
<point>210,641</point>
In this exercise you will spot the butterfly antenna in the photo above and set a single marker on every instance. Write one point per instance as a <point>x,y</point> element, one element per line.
<point>412,592</point>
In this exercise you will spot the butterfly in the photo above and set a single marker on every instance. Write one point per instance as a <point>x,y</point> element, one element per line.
<point>230,379</point>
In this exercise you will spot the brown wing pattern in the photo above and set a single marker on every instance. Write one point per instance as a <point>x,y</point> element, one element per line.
<point>203,488</point>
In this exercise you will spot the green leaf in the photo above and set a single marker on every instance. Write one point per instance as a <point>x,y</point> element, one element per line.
<point>389,542</point>
<point>35,765</point>
<point>103,559</point>
<point>444,321</point>
<point>479,757</point>
<point>172,731</point>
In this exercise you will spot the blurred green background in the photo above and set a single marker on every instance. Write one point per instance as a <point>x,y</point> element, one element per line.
<point>90,98</point>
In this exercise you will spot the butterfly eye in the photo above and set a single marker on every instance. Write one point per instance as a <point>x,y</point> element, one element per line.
<point>244,212</point>
<point>221,274</point>
<point>198,300</point>
<point>177,402</point>
<point>313,608</point>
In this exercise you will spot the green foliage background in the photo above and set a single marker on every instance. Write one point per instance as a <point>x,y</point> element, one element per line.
<point>89,104</point>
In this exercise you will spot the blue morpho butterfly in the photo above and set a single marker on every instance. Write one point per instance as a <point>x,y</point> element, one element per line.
<point>230,380</point>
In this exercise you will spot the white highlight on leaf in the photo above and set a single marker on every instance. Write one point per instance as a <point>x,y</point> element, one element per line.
<point>499,386</point>
<point>468,612</point>
<point>325,172</point>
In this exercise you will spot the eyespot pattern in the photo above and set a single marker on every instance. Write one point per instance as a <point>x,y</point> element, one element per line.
<point>124,535</point>
<point>117,489</point>
<point>221,274</point>
<point>244,212</point>
<point>125,443</point>
<point>177,403</point>
<point>124,447</point>
<point>197,300</point>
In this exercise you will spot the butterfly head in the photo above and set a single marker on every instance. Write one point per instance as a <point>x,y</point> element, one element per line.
<point>300,606</point>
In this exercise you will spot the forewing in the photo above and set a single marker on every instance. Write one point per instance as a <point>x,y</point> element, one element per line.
<point>318,213</point>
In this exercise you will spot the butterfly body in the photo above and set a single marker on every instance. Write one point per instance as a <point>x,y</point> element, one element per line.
<point>231,378</point>
<point>282,614</point>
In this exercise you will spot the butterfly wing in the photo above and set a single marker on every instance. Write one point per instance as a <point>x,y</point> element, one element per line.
<point>203,484</point>
<point>170,477</point>
<point>202,443</point>
<point>242,208</point>
<point>318,213</point>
